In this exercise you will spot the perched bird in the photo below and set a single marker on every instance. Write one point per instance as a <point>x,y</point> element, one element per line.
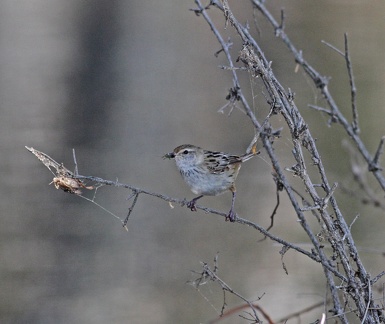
<point>208,173</point>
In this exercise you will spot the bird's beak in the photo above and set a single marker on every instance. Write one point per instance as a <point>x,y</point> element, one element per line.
<point>169,156</point>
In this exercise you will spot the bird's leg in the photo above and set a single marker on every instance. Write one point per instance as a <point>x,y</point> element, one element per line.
<point>191,204</point>
<point>232,214</point>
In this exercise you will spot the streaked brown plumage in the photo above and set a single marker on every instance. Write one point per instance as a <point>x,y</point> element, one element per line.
<point>208,173</point>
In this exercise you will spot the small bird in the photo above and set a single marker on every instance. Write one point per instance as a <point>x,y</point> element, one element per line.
<point>208,173</point>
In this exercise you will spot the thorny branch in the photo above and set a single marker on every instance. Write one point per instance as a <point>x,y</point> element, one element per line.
<point>353,89</point>
<point>332,222</point>
<point>360,175</point>
<point>321,82</point>
<point>210,274</point>
<point>77,181</point>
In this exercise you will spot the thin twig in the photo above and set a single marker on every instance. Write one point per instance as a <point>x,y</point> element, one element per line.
<point>374,165</point>
<point>301,312</point>
<point>378,277</point>
<point>321,109</point>
<point>76,171</point>
<point>208,273</point>
<point>353,89</point>
<point>368,303</point>
<point>131,208</point>
<point>333,48</point>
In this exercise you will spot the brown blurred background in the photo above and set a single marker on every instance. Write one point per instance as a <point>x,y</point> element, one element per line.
<point>124,82</point>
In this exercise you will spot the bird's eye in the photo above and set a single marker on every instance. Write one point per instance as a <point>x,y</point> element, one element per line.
<point>185,152</point>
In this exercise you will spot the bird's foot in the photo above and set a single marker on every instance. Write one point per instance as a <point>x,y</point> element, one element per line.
<point>232,216</point>
<point>191,205</point>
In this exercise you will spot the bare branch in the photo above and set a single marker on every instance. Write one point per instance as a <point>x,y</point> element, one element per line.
<point>353,89</point>
<point>137,191</point>
<point>301,312</point>
<point>211,274</point>
<point>136,195</point>
<point>359,171</point>
<point>333,48</point>
<point>321,82</point>
<point>76,170</point>
<point>374,166</point>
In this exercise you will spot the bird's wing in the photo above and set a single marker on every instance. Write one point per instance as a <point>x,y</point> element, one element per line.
<point>218,162</point>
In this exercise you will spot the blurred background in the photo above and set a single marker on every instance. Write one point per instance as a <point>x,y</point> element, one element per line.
<point>124,82</point>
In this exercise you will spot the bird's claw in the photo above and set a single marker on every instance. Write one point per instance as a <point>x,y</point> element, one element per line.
<point>232,216</point>
<point>191,205</point>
